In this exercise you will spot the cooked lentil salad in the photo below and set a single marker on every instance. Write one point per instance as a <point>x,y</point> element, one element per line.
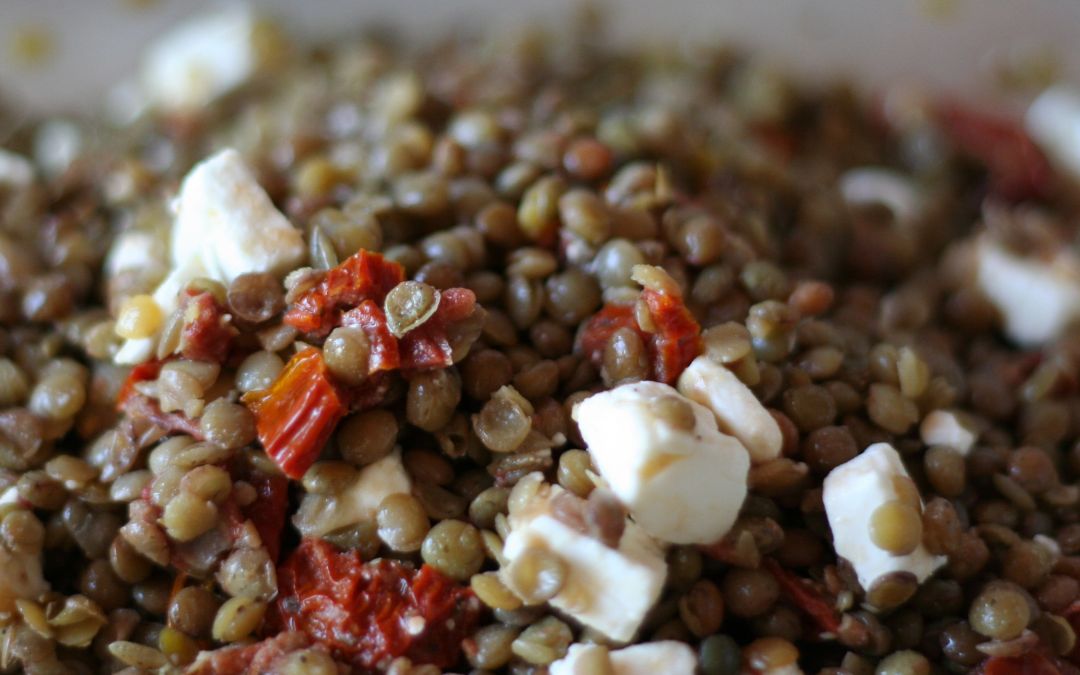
<point>525,356</point>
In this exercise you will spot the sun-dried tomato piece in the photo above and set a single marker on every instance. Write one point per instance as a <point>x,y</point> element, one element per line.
<point>207,332</point>
<point>371,319</point>
<point>1031,663</point>
<point>677,340</point>
<point>296,415</point>
<point>362,276</point>
<point>601,326</point>
<point>142,407</point>
<point>1018,169</point>
<point>269,510</point>
<point>806,597</point>
<point>143,372</point>
<point>428,345</point>
<point>370,613</point>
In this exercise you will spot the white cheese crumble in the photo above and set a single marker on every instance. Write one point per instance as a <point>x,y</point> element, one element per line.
<point>666,656</point>
<point>1037,298</point>
<point>948,427</point>
<point>738,412</point>
<point>134,250</point>
<point>608,589</point>
<point>15,170</point>
<point>663,457</point>
<point>874,185</point>
<point>225,225</point>
<point>1053,122</point>
<point>852,492</point>
<point>201,59</point>
<point>319,515</point>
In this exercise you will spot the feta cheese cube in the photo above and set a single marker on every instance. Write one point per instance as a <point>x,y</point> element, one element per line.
<point>15,170</point>
<point>663,457</point>
<point>874,185</point>
<point>225,226</point>
<point>1053,122</point>
<point>948,427</point>
<point>319,515</point>
<point>852,492</point>
<point>738,412</point>
<point>608,589</point>
<point>1037,298</point>
<point>201,59</point>
<point>134,250</point>
<point>666,656</point>
<point>224,216</point>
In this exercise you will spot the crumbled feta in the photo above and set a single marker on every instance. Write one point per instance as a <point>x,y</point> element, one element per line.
<point>873,185</point>
<point>1037,298</point>
<point>357,503</point>
<point>663,457</point>
<point>852,491</point>
<point>666,656</point>
<point>133,250</point>
<point>201,59</point>
<point>608,589</point>
<point>1053,122</point>
<point>15,170</point>
<point>738,412</point>
<point>948,427</point>
<point>225,226</point>
<point>56,145</point>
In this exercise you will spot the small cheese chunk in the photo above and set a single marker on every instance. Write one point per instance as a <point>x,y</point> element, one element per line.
<point>319,515</point>
<point>225,226</point>
<point>1037,298</point>
<point>134,250</point>
<point>738,412</point>
<point>666,656</point>
<point>608,589</point>
<point>15,170</point>
<point>201,59</point>
<point>948,427</point>
<point>874,185</point>
<point>1053,122</point>
<point>852,492</point>
<point>663,457</point>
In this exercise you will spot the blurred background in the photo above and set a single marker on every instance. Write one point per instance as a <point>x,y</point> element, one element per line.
<point>65,54</point>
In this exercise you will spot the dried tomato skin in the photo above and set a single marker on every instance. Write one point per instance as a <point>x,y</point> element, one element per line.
<point>366,613</point>
<point>1018,169</point>
<point>676,342</point>
<point>295,417</point>
<point>370,318</point>
<point>362,276</point>
<point>808,599</point>
<point>428,346</point>
<point>207,333</point>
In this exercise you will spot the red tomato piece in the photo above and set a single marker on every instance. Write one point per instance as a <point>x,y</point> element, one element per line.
<point>677,341</point>
<point>370,318</point>
<point>296,415</point>
<point>362,276</point>
<point>251,659</point>
<point>1018,169</point>
<point>1032,663</point>
<point>207,333</point>
<point>370,613</point>
<point>144,372</point>
<point>806,597</point>
<point>428,345</point>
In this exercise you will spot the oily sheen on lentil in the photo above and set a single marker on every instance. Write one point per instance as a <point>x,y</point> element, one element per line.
<point>491,235</point>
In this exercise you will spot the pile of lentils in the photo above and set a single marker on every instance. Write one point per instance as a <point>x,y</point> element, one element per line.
<point>848,321</point>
